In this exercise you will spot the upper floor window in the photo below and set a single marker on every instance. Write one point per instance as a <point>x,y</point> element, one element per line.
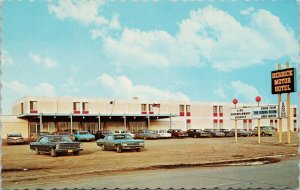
<point>33,106</point>
<point>76,106</point>
<point>188,108</point>
<point>181,108</point>
<point>220,109</point>
<point>144,108</point>
<point>215,109</point>
<point>85,106</point>
<point>295,112</point>
<point>150,107</point>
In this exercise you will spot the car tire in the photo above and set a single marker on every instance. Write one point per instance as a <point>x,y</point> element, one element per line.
<point>76,139</point>
<point>195,136</point>
<point>119,149</point>
<point>53,152</point>
<point>103,148</point>
<point>37,152</point>
<point>76,153</point>
<point>138,150</point>
<point>263,134</point>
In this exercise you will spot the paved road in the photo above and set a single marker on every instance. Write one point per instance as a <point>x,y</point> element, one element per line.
<point>279,175</point>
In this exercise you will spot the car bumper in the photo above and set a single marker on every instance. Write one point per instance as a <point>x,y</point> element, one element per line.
<point>132,147</point>
<point>69,150</point>
<point>86,139</point>
<point>15,142</point>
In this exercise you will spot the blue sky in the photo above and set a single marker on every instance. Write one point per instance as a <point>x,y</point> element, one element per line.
<point>156,50</point>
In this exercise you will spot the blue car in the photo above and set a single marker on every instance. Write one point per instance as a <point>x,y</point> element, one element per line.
<point>83,136</point>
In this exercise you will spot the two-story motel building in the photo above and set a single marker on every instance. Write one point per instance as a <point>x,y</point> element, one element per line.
<point>49,114</point>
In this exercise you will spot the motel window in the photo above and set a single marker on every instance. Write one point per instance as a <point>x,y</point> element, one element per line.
<point>221,124</point>
<point>295,125</point>
<point>295,112</point>
<point>85,106</point>
<point>215,111</point>
<point>33,105</point>
<point>144,107</point>
<point>215,124</point>
<point>220,109</point>
<point>249,124</point>
<point>245,123</point>
<point>150,107</point>
<point>22,108</point>
<point>271,123</point>
<point>188,108</point>
<point>76,106</point>
<point>181,108</point>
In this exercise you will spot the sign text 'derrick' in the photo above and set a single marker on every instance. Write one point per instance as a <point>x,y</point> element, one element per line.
<point>283,81</point>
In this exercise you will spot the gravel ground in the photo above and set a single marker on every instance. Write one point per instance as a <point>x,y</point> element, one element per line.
<point>38,168</point>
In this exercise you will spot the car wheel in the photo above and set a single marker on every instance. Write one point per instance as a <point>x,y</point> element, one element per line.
<point>37,152</point>
<point>138,150</point>
<point>263,134</point>
<point>103,148</point>
<point>119,149</point>
<point>76,139</point>
<point>76,153</point>
<point>195,136</point>
<point>53,152</point>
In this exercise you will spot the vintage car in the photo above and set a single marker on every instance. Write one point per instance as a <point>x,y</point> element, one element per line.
<point>163,133</point>
<point>83,136</point>
<point>120,142</point>
<point>197,133</point>
<point>14,138</point>
<point>36,136</point>
<point>228,133</point>
<point>73,131</point>
<point>241,132</point>
<point>101,134</point>
<point>125,131</point>
<point>55,144</point>
<point>264,130</point>
<point>146,134</point>
<point>215,132</point>
<point>64,133</point>
<point>178,133</point>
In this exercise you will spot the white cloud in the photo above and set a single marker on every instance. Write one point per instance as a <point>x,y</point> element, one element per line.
<point>243,91</point>
<point>203,39</point>
<point>71,85</point>
<point>247,11</point>
<point>122,87</point>
<point>158,48</point>
<point>85,11</point>
<point>220,90</point>
<point>42,89</point>
<point>46,62</point>
<point>74,69</point>
<point>6,58</point>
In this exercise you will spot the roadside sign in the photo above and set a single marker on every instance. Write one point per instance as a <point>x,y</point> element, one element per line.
<point>282,110</point>
<point>265,112</point>
<point>240,113</point>
<point>284,81</point>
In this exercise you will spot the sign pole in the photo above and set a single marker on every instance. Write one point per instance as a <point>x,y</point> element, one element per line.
<point>258,99</point>
<point>235,101</point>
<point>280,120</point>
<point>288,114</point>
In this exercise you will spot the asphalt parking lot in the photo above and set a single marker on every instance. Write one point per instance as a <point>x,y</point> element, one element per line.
<point>22,165</point>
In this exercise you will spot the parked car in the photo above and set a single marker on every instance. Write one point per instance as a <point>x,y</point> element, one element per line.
<point>241,132</point>
<point>163,133</point>
<point>264,130</point>
<point>36,136</point>
<point>197,133</point>
<point>55,144</point>
<point>14,138</point>
<point>215,132</point>
<point>83,136</point>
<point>227,132</point>
<point>120,142</point>
<point>73,131</point>
<point>146,134</point>
<point>64,133</point>
<point>101,134</point>
<point>125,131</point>
<point>178,133</point>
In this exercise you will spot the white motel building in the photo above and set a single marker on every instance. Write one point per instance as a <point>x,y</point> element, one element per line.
<point>49,114</point>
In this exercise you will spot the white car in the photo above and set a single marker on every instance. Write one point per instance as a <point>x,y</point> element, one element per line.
<point>163,133</point>
<point>125,131</point>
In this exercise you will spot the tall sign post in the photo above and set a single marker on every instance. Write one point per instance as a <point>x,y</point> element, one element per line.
<point>235,101</point>
<point>288,114</point>
<point>284,81</point>
<point>280,120</point>
<point>258,99</point>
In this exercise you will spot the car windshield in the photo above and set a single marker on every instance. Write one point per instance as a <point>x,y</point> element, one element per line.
<point>162,131</point>
<point>63,133</point>
<point>150,131</point>
<point>59,139</point>
<point>198,130</point>
<point>122,137</point>
<point>14,135</point>
<point>83,132</point>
